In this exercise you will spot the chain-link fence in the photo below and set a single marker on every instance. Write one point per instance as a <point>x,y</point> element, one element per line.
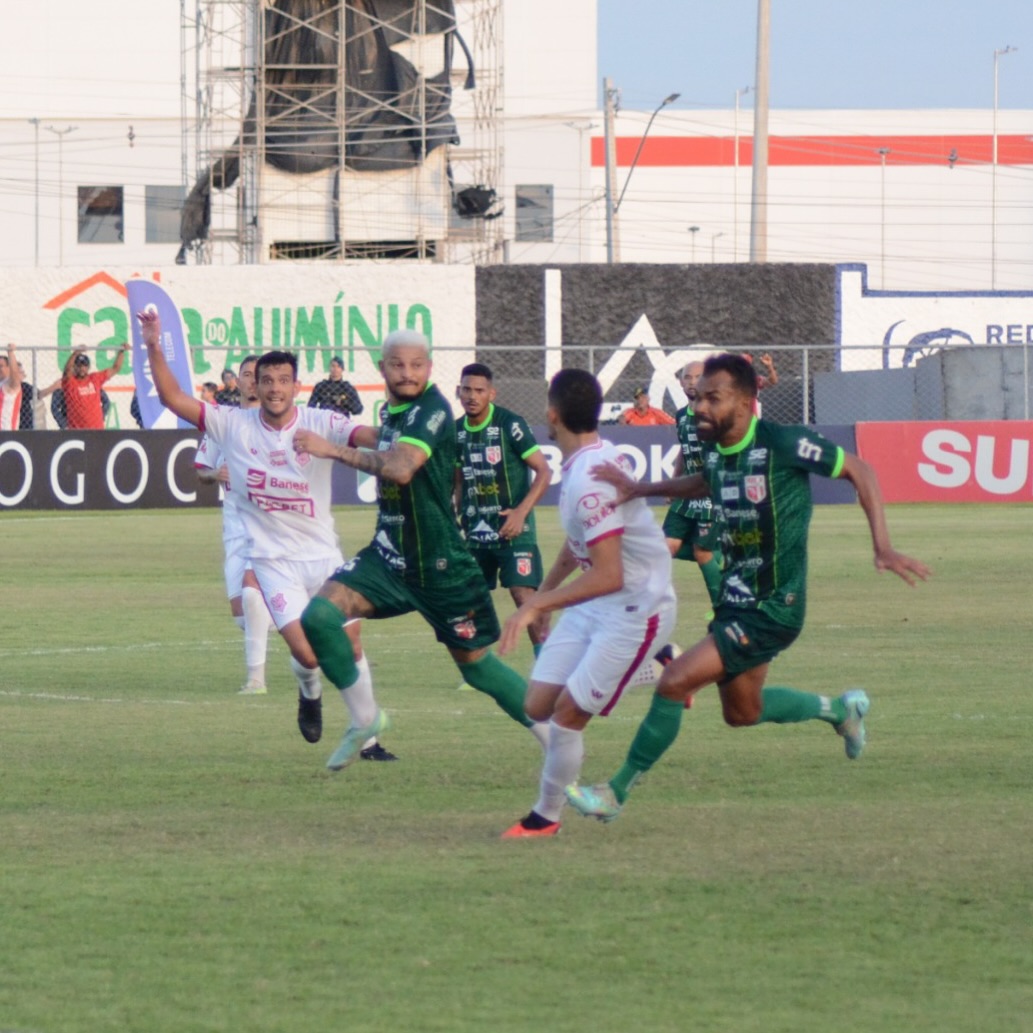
<point>816,384</point>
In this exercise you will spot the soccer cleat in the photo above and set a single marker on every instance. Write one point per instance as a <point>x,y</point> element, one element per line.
<point>310,718</point>
<point>353,739</point>
<point>534,825</point>
<point>852,727</point>
<point>464,687</point>
<point>376,752</point>
<point>252,688</point>
<point>598,801</point>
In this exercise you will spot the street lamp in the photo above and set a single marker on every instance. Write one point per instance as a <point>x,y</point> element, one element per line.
<point>634,161</point>
<point>882,152</point>
<point>993,175</point>
<point>60,134</point>
<point>713,239</point>
<point>693,230</point>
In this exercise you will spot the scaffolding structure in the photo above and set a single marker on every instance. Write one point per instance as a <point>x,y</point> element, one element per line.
<point>294,156</point>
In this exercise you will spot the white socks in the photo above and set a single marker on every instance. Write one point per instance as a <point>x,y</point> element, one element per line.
<point>358,697</point>
<point>257,624</point>
<point>562,766</point>
<point>308,681</point>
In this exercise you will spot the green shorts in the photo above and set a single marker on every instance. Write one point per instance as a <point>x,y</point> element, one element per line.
<point>513,566</point>
<point>748,638</point>
<point>690,530</point>
<point>458,608</point>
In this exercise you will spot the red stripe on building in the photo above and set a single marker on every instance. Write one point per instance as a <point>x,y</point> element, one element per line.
<point>719,151</point>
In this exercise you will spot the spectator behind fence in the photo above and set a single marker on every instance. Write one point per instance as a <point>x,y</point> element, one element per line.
<point>10,390</point>
<point>229,393</point>
<point>83,393</point>
<point>33,414</point>
<point>335,392</point>
<point>209,391</point>
<point>642,414</point>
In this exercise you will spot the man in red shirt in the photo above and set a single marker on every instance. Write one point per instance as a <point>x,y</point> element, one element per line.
<point>82,389</point>
<point>642,414</point>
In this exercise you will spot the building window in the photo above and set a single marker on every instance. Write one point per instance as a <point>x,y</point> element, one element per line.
<point>534,213</point>
<point>100,215</point>
<point>164,205</point>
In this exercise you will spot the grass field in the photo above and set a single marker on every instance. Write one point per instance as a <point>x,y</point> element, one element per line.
<point>176,858</point>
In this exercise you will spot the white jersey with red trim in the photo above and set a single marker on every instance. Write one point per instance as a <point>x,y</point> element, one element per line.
<point>283,498</point>
<point>10,405</point>
<point>209,456</point>
<point>588,514</point>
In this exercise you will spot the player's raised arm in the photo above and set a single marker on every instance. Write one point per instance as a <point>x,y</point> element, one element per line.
<point>866,484</point>
<point>172,396</point>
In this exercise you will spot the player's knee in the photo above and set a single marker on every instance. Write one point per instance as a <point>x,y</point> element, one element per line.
<point>740,713</point>
<point>321,620</point>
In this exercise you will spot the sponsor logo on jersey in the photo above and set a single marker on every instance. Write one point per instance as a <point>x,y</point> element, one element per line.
<point>475,457</point>
<point>482,532</point>
<point>435,422</point>
<point>301,487</point>
<point>255,479</point>
<point>515,432</point>
<point>275,504</point>
<point>730,493</point>
<point>758,455</point>
<point>593,509</point>
<point>756,487</point>
<point>808,450</point>
<point>493,453</point>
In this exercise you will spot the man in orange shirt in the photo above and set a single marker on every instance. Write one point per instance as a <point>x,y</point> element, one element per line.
<point>642,414</point>
<point>82,389</point>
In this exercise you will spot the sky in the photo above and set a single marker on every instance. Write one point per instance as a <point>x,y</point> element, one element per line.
<point>824,53</point>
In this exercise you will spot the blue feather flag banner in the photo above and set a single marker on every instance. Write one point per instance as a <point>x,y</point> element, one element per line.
<point>144,295</point>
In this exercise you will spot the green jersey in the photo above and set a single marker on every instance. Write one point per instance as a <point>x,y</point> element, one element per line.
<point>496,477</point>
<point>416,533</point>
<point>761,491</point>
<point>692,451</point>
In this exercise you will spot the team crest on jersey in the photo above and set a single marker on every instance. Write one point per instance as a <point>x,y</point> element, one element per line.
<point>756,487</point>
<point>493,453</point>
<point>524,566</point>
<point>465,629</point>
<point>255,479</point>
<point>278,602</point>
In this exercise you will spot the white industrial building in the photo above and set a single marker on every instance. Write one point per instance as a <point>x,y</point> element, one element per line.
<point>96,164</point>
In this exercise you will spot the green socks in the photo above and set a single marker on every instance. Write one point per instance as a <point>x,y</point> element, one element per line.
<point>323,624</point>
<point>492,677</point>
<point>658,730</point>
<point>787,706</point>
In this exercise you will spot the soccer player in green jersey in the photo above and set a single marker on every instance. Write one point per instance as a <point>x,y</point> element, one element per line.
<point>690,526</point>
<point>417,559</point>
<point>758,475</point>
<point>501,475</point>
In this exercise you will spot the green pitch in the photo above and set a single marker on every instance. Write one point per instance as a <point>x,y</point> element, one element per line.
<point>176,859</point>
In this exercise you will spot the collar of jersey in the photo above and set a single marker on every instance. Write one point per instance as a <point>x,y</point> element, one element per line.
<point>278,430</point>
<point>392,409</point>
<point>484,422</point>
<point>747,440</point>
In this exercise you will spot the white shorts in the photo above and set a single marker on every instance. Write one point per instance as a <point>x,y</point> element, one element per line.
<point>235,564</point>
<point>288,585</point>
<point>596,656</point>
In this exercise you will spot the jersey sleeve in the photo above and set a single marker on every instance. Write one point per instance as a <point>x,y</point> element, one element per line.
<point>520,436</point>
<point>427,425</point>
<point>209,455</point>
<point>806,449</point>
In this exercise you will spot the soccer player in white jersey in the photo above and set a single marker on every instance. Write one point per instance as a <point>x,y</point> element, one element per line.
<point>247,604</point>
<point>615,614</point>
<point>285,506</point>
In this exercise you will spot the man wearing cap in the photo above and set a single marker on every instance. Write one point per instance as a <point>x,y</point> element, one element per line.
<point>82,389</point>
<point>642,414</point>
<point>335,392</point>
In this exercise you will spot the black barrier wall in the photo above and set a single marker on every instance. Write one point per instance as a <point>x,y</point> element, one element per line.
<point>101,469</point>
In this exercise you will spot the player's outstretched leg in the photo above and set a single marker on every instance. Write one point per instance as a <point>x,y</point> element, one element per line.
<point>851,728</point>
<point>492,677</point>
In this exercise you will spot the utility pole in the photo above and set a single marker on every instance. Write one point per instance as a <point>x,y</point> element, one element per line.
<point>609,131</point>
<point>759,207</point>
<point>35,123</point>
<point>60,134</point>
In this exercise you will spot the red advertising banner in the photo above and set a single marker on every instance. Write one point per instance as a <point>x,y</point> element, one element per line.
<point>964,461</point>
